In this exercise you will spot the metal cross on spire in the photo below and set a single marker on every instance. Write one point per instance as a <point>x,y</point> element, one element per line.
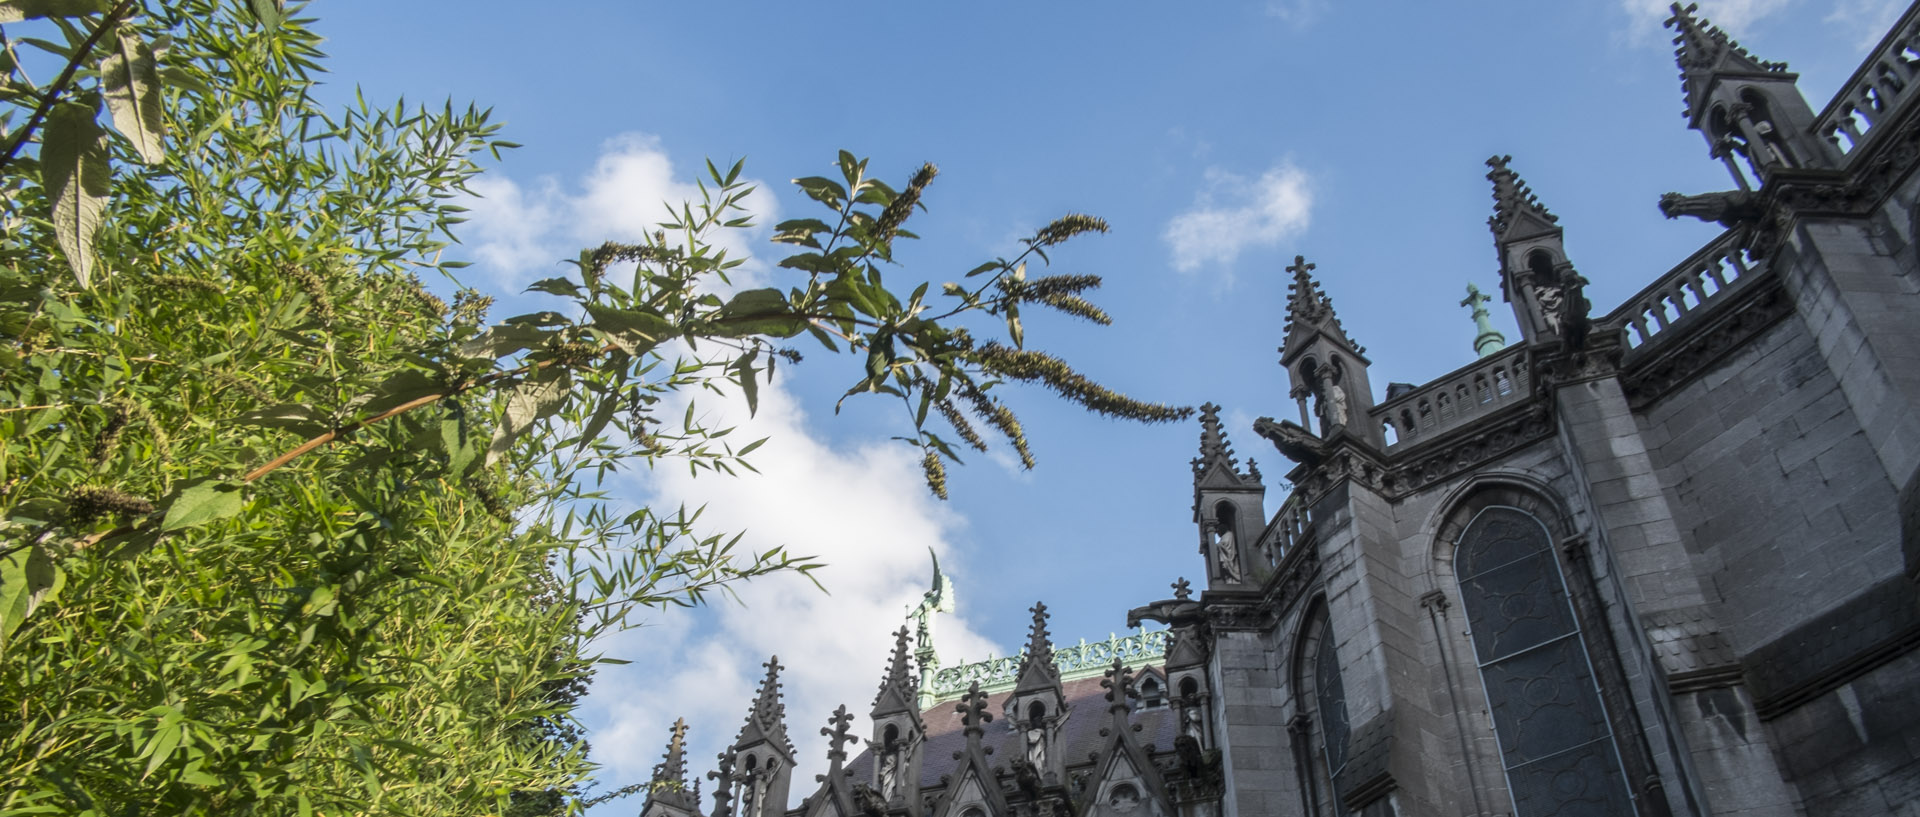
<point>1486,339</point>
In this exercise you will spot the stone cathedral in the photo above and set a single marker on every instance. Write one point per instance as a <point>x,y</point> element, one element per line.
<point>1651,559</point>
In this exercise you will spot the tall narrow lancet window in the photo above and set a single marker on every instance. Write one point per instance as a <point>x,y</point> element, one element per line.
<point>1321,730</point>
<point>1331,697</point>
<point>1555,742</point>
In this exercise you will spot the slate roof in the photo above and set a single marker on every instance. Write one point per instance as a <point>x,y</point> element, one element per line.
<point>1086,716</point>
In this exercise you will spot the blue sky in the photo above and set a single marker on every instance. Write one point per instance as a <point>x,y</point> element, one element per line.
<point>1219,139</point>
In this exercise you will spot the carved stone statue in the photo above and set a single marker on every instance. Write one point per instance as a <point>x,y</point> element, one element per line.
<point>890,773</point>
<point>1330,400</point>
<point>1550,298</point>
<point>1227,552</point>
<point>1037,746</point>
<point>1190,723</point>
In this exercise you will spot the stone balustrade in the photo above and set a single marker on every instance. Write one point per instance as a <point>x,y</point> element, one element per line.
<point>1876,90</point>
<point>1288,529</point>
<point>1455,398</point>
<point>1683,293</point>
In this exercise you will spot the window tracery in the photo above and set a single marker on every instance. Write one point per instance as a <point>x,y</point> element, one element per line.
<point>1556,745</point>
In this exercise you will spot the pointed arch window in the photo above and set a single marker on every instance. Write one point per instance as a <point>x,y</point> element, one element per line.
<point>1320,731</point>
<point>1556,744</point>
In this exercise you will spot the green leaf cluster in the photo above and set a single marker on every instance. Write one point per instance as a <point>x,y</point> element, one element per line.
<point>281,532</point>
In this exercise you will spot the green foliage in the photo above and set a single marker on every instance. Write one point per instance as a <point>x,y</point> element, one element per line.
<point>280,531</point>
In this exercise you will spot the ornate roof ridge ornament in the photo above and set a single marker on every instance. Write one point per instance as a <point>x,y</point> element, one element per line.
<point>1087,659</point>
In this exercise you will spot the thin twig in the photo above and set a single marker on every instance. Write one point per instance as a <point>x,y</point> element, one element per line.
<point>60,84</point>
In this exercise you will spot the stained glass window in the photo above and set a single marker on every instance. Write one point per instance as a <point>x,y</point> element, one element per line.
<point>1330,698</point>
<point>1555,743</point>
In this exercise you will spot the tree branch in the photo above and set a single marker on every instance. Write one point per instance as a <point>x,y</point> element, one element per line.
<point>60,83</point>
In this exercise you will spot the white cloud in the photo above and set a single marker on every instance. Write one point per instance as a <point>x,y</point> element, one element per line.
<point>1298,13</point>
<point>1732,16</point>
<point>520,233</point>
<point>1868,20</point>
<point>865,512</point>
<point>1233,213</point>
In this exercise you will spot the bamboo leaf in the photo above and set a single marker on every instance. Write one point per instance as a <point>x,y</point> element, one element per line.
<point>14,11</point>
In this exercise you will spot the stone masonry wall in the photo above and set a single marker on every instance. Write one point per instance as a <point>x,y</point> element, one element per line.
<point>1777,490</point>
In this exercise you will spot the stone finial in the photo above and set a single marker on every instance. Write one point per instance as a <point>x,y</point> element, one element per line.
<point>1214,446</point>
<point>1182,589</point>
<point>973,711</point>
<point>1306,304</point>
<point>1037,670</point>
<point>1703,52</point>
<point>767,719</point>
<point>899,687</point>
<point>1119,686</point>
<point>1309,310</point>
<point>673,765</point>
<point>1486,339</point>
<point>1039,646</point>
<point>723,791</point>
<point>1699,44</point>
<point>836,733</point>
<point>1512,198</point>
<point>669,784</point>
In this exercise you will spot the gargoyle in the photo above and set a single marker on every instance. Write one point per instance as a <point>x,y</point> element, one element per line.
<point>1192,759</point>
<point>1027,778</point>
<point>1296,443</point>
<point>867,801</point>
<point>1169,611</point>
<point>1731,208</point>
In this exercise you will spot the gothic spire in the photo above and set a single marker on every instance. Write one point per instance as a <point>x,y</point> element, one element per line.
<point>1703,51</point>
<point>767,720</point>
<point>898,687</point>
<point>669,785</point>
<point>1486,339</point>
<point>1215,452</point>
<point>1701,45</point>
<point>1517,212</point>
<point>1037,670</point>
<point>1309,310</point>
